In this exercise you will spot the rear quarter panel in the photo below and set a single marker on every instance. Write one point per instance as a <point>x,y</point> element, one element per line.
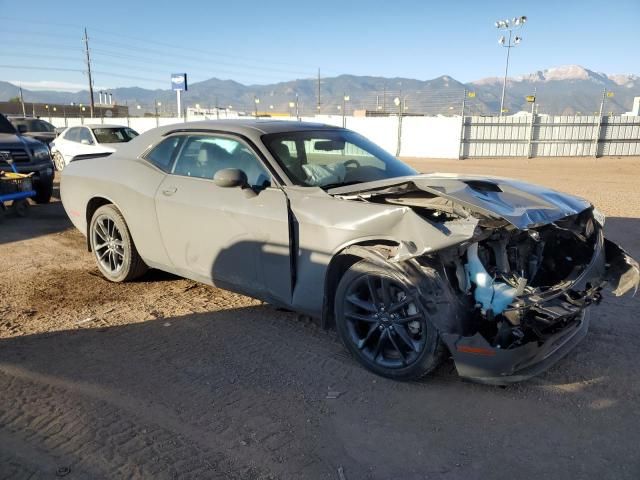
<point>129,184</point>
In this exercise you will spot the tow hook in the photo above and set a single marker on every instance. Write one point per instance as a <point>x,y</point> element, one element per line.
<point>597,298</point>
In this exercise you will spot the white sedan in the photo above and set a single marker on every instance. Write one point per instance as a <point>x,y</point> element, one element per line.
<point>88,140</point>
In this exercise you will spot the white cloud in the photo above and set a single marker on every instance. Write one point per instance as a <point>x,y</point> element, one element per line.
<point>53,85</point>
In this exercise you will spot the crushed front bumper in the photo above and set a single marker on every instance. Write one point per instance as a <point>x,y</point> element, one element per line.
<point>476,359</point>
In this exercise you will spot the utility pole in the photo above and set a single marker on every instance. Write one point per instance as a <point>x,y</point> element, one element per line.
<point>319,102</point>
<point>24,113</point>
<point>384,98</point>
<point>155,106</point>
<point>86,49</point>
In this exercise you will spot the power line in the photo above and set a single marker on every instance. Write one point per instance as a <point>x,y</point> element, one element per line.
<point>164,45</point>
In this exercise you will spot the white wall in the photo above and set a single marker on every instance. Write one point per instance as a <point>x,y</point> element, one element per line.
<point>421,136</point>
<point>439,137</point>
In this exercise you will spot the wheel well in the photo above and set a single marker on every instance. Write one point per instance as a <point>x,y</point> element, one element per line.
<point>338,266</point>
<point>94,204</point>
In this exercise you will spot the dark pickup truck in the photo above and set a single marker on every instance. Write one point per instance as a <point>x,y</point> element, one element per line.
<point>34,128</point>
<point>28,156</point>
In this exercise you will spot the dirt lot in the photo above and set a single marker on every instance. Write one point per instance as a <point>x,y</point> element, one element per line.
<point>166,378</point>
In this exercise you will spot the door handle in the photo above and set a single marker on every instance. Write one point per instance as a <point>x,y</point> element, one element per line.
<point>169,191</point>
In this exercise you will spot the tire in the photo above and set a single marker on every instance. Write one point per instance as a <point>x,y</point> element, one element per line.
<point>20,208</point>
<point>43,193</point>
<point>58,161</point>
<point>111,243</point>
<point>392,335</point>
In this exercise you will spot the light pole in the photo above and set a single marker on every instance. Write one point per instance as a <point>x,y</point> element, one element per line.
<point>398,103</point>
<point>256,101</point>
<point>345,99</point>
<point>513,41</point>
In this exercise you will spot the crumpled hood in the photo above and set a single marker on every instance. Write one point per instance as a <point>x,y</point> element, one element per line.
<point>522,204</point>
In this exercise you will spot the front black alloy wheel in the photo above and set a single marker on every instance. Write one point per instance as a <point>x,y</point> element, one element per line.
<point>382,324</point>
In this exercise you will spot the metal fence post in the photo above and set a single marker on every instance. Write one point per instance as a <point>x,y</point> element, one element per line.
<point>461,146</point>
<point>598,129</point>
<point>531,128</point>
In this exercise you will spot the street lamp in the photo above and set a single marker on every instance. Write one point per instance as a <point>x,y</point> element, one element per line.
<point>513,41</point>
<point>345,99</point>
<point>398,103</point>
<point>256,101</point>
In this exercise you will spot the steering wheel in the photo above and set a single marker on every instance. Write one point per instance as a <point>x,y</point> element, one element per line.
<point>351,163</point>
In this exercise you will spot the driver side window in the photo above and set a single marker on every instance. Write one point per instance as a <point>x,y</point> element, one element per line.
<point>204,155</point>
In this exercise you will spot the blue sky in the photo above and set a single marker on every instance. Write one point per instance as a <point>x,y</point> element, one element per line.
<point>142,42</point>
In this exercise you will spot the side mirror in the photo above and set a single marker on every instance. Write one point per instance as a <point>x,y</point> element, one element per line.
<point>84,141</point>
<point>230,177</point>
<point>22,129</point>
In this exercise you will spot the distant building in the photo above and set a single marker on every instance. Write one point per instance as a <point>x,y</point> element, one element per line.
<point>208,113</point>
<point>635,110</point>
<point>388,113</point>
<point>45,110</point>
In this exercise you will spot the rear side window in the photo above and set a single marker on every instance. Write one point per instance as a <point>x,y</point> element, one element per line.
<point>85,135</point>
<point>204,155</point>
<point>162,155</point>
<point>72,134</point>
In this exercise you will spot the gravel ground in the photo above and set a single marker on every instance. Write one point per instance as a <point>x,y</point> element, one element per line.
<point>167,378</point>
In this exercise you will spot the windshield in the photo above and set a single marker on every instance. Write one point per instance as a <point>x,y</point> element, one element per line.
<point>332,158</point>
<point>35,125</point>
<point>5,126</point>
<point>114,135</point>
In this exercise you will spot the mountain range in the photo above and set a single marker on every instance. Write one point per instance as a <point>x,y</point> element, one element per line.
<point>566,89</point>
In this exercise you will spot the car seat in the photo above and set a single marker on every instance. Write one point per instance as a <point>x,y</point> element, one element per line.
<point>291,165</point>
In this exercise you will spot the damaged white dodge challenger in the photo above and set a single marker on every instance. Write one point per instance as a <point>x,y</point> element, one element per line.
<point>407,267</point>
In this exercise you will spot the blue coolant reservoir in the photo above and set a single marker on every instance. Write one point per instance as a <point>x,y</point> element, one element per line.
<point>489,293</point>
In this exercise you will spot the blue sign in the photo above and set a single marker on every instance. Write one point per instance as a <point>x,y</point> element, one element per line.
<point>179,81</point>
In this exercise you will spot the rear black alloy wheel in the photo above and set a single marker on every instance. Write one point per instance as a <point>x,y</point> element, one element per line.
<point>113,247</point>
<point>381,323</point>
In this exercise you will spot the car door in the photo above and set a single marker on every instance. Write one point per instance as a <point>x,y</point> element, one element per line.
<point>232,237</point>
